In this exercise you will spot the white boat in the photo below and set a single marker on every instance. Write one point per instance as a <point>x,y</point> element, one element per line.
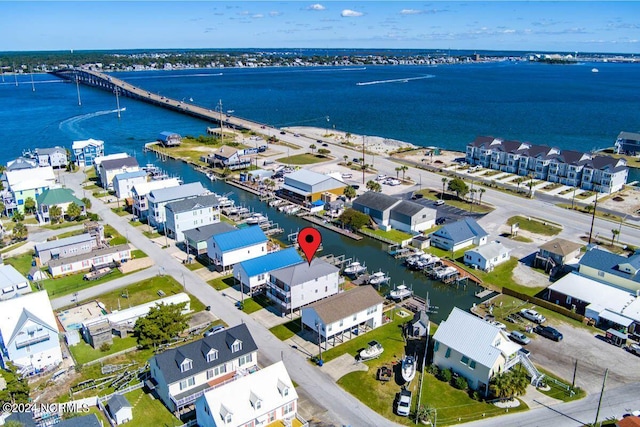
<point>408,368</point>
<point>378,278</point>
<point>211,176</point>
<point>225,201</point>
<point>276,202</point>
<point>354,268</point>
<point>400,292</point>
<point>445,272</point>
<point>257,219</point>
<point>374,350</point>
<point>595,70</point>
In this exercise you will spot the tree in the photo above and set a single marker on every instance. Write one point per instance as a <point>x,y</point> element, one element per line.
<point>55,214</point>
<point>518,181</point>
<point>398,169</point>
<point>614,233</point>
<point>459,187</point>
<point>20,231</point>
<point>164,322</point>
<point>323,152</point>
<point>481,191</point>
<point>346,158</point>
<point>404,169</point>
<point>17,216</point>
<point>87,202</point>
<point>349,192</point>
<point>313,147</point>
<point>374,186</point>
<point>73,211</point>
<point>2,207</point>
<point>444,181</point>
<point>17,389</point>
<point>354,219</point>
<point>29,205</point>
<point>508,384</point>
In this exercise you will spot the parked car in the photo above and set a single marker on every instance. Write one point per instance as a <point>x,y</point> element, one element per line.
<point>325,144</point>
<point>214,330</point>
<point>282,132</point>
<point>417,196</point>
<point>548,332</point>
<point>532,315</point>
<point>439,202</point>
<point>525,351</point>
<point>634,349</point>
<point>519,337</point>
<point>404,403</point>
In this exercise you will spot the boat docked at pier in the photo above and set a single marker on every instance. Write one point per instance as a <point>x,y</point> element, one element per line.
<point>379,278</point>
<point>400,292</point>
<point>257,219</point>
<point>354,268</point>
<point>408,368</point>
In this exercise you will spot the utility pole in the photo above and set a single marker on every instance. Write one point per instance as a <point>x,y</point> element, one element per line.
<point>593,217</point>
<point>221,124</point>
<point>363,166</point>
<point>117,101</point>
<point>575,369</point>
<point>606,372</point>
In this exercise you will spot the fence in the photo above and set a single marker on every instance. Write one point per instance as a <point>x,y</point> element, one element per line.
<point>544,303</point>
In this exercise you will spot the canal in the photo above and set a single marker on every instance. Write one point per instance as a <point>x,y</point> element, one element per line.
<point>368,251</point>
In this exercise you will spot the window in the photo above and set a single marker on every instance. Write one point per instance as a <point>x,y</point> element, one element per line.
<point>210,374</point>
<point>288,408</point>
<point>568,299</point>
<point>601,273</point>
<point>271,416</point>
<point>185,365</point>
<point>227,419</point>
<point>212,355</point>
<point>258,404</point>
<point>448,353</point>
<point>355,316</point>
<point>472,365</point>
<point>464,360</point>
<point>436,346</point>
<point>236,346</point>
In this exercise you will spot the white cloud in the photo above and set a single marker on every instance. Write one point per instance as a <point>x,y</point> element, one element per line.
<point>258,15</point>
<point>410,12</point>
<point>316,6</point>
<point>348,13</point>
<point>275,13</point>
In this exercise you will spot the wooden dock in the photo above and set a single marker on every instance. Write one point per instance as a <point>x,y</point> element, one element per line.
<point>484,293</point>
<point>321,223</point>
<point>462,273</point>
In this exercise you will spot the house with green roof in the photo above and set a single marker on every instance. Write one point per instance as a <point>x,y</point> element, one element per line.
<point>61,197</point>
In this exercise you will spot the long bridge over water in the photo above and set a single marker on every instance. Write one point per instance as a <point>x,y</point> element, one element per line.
<point>121,88</point>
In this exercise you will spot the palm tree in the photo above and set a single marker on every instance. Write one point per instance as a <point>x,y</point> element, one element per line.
<point>398,169</point>
<point>480,192</point>
<point>55,213</point>
<point>614,233</point>
<point>374,186</point>
<point>444,181</point>
<point>349,192</point>
<point>404,168</point>
<point>345,157</point>
<point>313,147</point>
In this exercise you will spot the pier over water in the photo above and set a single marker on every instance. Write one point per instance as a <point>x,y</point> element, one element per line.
<point>121,88</point>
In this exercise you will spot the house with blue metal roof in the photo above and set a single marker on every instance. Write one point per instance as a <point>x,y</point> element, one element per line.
<point>227,249</point>
<point>123,182</point>
<point>254,273</point>
<point>458,235</point>
<point>617,270</point>
<point>170,139</point>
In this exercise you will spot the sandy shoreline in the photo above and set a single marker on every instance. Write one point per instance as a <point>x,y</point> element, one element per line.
<point>376,144</point>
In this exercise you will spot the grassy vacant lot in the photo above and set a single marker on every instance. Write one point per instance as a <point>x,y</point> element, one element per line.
<point>150,412</point>
<point>83,352</point>
<point>303,159</point>
<point>221,283</point>
<point>536,226</point>
<point>395,235</point>
<point>502,276</point>
<point>138,253</point>
<point>65,285</point>
<point>22,263</point>
<point>145,291</point>
<point>287,330</point>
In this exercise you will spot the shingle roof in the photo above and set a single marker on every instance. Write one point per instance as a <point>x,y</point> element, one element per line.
<point>186,205</point>
<point>119,163</point>
<point>118,402</point>
<point>560,246</point>
<point>58,196</point>
<point>166,194</point>
<point>608,262</point>
<point>345,304</point>
<point>376,201</point>
<point>71,240</point>
<point>490,250</point>
<point>240,238</point>
<point>471,336</point>
<point>51,150</point>
<point>200,234</point>
<point>462,230</point>
<point>97,252</point>
<point>197,350</point>
<point>151,187</point>
<point>301,273</point>
<point>409,209</point>
<point>273,261</point>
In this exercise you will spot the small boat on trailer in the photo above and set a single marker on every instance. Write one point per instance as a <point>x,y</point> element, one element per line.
<point>408,368</point>
<point>374,351</point>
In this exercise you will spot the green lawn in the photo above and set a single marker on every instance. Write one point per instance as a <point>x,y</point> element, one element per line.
<point>150,412</point>
<point>145,291</point>
<point>536,226</point>
<point>68,284</point>
<point>12,247</point>
<point>138,253</point>
<point>83,352</point>
<point>151,234</point>
<point>63,224</point>
<point>221,283</point>
<point>22,263</point>
<point>120,211</point>
<point>286,330</point>
<point>71,233</point>
<point>395,235</point>
<point>558,392</point>
<point>253,304</point>
<point>119,240</point>
<point>452,200</point>
<point>303,159</point>
<point>502,276</point>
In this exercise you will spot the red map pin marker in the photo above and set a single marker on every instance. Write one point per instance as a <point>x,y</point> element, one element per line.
<point>309,240</point>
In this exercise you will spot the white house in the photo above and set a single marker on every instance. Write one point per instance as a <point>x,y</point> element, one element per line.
<point>253,274</point>
<point>486,257</point>
<point>84,152</point>
<point>108,169</point>
<point>301,284</point>
<point>141,191</point>
<point>259,399</point>
<point>458,235</point>
<point>232,247</point>
<point>476,349</point>
<point>183,374</point>
<point>55,157</point>
<point>120,409</point>
<point>337,315</point>
<point>190,213</point>
<point>159,197</point>
<point>29,333</point>
<point>84,262</point>
<point>390,212</point>
<point>12,283</point>
<point>124,182</point>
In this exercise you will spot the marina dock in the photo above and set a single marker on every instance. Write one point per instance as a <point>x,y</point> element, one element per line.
<point>321,223</point>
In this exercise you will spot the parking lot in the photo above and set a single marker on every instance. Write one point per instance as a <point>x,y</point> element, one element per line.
<point>446,213</point>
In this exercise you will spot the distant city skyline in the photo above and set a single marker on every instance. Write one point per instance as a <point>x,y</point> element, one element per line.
<point>569,26</point>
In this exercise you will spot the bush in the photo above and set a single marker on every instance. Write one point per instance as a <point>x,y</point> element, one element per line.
<point>105,347</point>
<point>433,370</point>
<point>476,396</point>
<point>93,216</point>
<point>461,383</point>
<point>445,375</point>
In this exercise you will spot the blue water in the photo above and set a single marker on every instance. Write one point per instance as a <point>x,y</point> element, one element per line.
<point>566,106</point>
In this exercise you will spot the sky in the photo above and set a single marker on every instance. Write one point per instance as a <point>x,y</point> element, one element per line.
<point>565,26</point>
